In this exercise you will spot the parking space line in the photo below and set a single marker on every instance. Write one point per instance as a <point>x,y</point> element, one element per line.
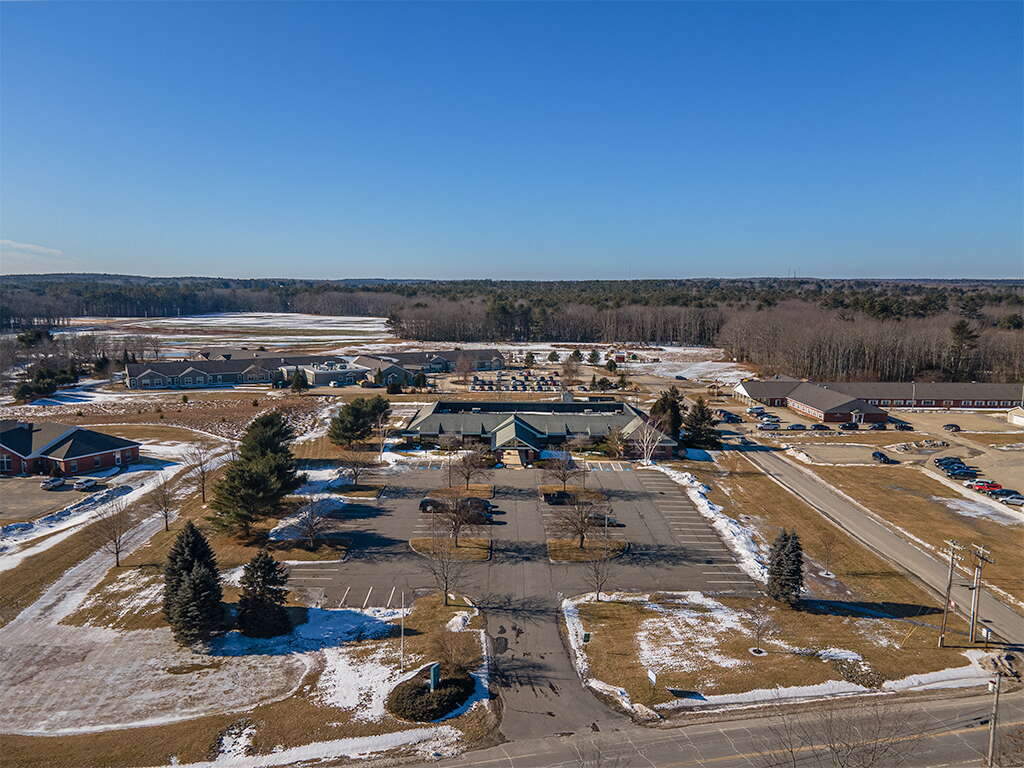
<point>390,597</point>
<point>367,598</point>
<point>345,596</point>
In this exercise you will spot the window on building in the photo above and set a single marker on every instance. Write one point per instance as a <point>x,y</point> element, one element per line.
<point>200,380</point>
<point>73,466</point>
<point>993,402</point>
<point>96,461</point>
<point>927,402</point>
<point>885,402</point>
<point>145,382</point>
<point>187,380</point>
<point>5,463</point>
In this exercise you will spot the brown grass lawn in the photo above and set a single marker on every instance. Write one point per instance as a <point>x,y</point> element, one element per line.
<point>473,549</point>
<point>475,490</point>
<point>743,489</point>
<point>568,550</point>
<point>1007,438</point>
<point>295,721</point>
<point>893,649</point>
<point>904,496</point>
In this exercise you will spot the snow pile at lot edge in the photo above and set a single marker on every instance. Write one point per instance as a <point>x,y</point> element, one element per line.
<point>740,538</point>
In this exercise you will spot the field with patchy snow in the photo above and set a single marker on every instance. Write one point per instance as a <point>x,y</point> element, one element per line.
<point>698,647</point>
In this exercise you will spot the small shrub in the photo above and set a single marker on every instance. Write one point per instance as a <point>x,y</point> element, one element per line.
<point>413,700</point>
<point>184,398</point>
<point>255,403</point>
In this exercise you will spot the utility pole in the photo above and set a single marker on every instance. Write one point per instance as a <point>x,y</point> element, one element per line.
<point>401,642</point>
<point>995,716</point>
<point>952,549</point>
<point>981,558</point>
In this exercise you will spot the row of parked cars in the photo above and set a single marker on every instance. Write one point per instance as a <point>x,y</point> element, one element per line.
<point>956,469</point>
<point>53,483</point>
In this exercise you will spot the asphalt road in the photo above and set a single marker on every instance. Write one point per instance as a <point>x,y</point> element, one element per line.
<point>873,532</point>
<point>946,731</point>
<point>671,547</point>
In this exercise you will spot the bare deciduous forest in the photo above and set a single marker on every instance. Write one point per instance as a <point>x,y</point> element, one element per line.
<point>823,329</point>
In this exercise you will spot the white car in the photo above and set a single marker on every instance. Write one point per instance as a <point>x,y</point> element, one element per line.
<point>85,484</point>
<point>51,482</point>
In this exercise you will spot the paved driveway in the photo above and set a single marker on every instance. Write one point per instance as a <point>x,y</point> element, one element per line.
<point>671,547</point>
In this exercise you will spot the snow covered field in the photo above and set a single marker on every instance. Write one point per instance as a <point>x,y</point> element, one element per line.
<point>180,335</point>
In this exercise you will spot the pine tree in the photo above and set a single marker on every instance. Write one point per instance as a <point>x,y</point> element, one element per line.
<point>299,382</point>
<point>666,411</point>
<point>777,567</point>
<point>189,549</point>
<point>261,610</point>
<point>197,608</point>
<point>793,574</point>
<point>419,380</point>
<point>267,433</point>
<point>594,358</point>
<point>246,491</point>
<point>530,360</point>
<point>785,568</point>
<point>352,423</point>
<point>576,356</point>
<point>700,426</point>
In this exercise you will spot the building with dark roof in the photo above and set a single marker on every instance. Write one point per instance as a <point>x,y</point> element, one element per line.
<point>530,427</point>
<point>448,360</point>
<point>866,400</point>
<point>28,447</point>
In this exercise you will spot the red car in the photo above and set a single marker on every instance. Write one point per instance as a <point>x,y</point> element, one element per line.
<point>983,485</point>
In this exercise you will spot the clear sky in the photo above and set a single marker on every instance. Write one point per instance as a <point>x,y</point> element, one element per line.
<point>513,140</point>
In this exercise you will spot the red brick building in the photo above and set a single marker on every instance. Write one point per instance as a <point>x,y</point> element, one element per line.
<point>42,447</point>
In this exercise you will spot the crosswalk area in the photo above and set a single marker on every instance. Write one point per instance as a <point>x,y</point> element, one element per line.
<point>691,530</point>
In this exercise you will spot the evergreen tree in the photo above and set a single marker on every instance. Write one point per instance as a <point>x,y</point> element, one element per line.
<point>299,382</point>
<point>553,356</point>
<point>246,491</point>
<point>267,433</point>
<point>261,610</point>
<point>576,356</point>
<point>594,358</point>
<point>189,549</point>
<point>394,387</point>
<point>530,360</point>
<point>785,568</point>
<point>593,382</point>
<point>352,423</point>
<point>419,380</point>
<point>667,412</point>
<point>611,365</point>
<point>197,611</point>
<point>793,574</point>
<point>700,426</point>
<point>378,377</point>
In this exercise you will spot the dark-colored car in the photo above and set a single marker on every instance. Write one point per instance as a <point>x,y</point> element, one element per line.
<point>433,505</point>
<point>849,425</point>
<point>559,498</point>
<point>476,504</point>
<point>940,460</point>
<point>877,426</point>
<point>820,428</point>
<point>795,427</point>
<point>596,518</point>
<point>951,427</point>
<point>902,426</point>
<point>882,458</point>
<point>999,493</point>
<point>768,426</point>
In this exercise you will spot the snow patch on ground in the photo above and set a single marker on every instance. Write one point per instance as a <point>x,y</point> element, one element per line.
<point>235,742</point>
<point>678,637</point>
<point>971,508</point>
<point>739,537</point>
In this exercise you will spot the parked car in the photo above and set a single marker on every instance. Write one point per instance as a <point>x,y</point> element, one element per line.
<point>983,485</point>
<point>1000,493</point>
<point>1013,501</point>
<point>902,426</point>
<point>768,426</point>
<point>559,498</point>
<point>941,460</point>
<point>432,505</point>
<point>333,383</point>
<point>820,428</point>
<point>877,426</point>
<point>481,505</point>
<point>85,484</point>
<point>795,427</point>
<point>754,409</point>
<point>951,427</point>
<point>51,482</point>
<point>961,474</point>
<point>596,518</point>
<point>849,425</point>
<point>882,458</point>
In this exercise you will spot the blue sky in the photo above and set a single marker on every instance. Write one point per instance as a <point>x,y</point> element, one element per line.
<point>512,140</point>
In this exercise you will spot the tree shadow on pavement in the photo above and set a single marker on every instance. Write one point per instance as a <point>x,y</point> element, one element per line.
<point>531,608</point>
<point>511,552</point>
<point>868,609</point>
<point>655,555</point>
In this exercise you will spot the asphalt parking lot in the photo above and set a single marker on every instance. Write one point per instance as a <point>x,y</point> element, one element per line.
<point>23,499</point>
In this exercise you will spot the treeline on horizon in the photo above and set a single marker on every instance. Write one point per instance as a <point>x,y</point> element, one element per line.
<point>816,328</point>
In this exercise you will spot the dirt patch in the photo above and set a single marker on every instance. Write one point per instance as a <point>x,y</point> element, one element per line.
<point>568,550</point>
<point>470,549</point>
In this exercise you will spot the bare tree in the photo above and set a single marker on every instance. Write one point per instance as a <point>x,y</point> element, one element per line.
<point>383,426</point>
<point>355,465</point>
<point>470,466</point>
<point>570,372</point>
<point>456,517</point>
<point>874,734</point>
<point>197,461</point>
<point>445,567</point>
<point>112,526</point>
<point>463,367</point>
<point>311,525</point>
<point>832,550</point>
<point>598,571</point>
<point>761,623</point>
<point>161,499</point>
<point>580,519</point>
<point>645,440</point>
<point>561,470</point>
<point>457,651</point>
